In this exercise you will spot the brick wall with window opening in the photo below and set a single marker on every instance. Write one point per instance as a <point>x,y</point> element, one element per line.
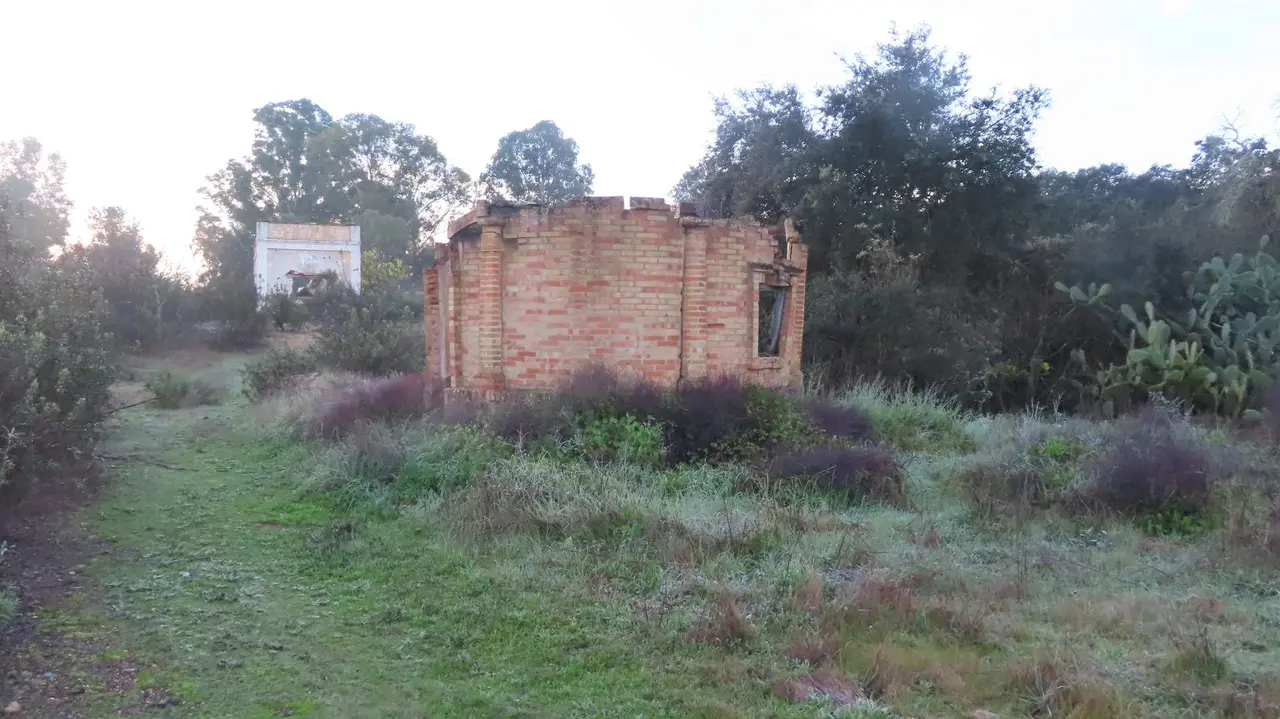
<point>524,295</point>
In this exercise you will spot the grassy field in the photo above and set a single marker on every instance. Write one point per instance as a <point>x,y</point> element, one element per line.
<point>430,570</point>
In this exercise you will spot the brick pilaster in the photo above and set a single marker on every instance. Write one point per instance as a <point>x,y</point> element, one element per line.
<point>491,376</point>
<point>797,256</point>
<point>693,310</point>
<point>431,325</point>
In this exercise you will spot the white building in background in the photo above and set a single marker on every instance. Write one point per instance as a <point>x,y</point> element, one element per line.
<point>287,256</point>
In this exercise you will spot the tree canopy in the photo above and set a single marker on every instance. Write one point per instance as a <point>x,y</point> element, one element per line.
<point>33,202</point>
<point>306,166</point>
<point>937,240</point>
<point>537,165</point>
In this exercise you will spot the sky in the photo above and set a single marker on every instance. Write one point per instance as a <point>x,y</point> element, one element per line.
<point>145,99</point>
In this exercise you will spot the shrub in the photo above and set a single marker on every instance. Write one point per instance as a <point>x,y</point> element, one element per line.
<point>1037,466</point>
<point>173,391</point>
<point>247,332</point>
<point>852,474</point>
<point>274,370</point>
<point>839,420</point>
<point>1157,466</point>
<point>724,419</point>
<point>715,420</point>
<point>56,366</point>
<point>369,335</point>
<point>387,399</point>
<point>285,310</point>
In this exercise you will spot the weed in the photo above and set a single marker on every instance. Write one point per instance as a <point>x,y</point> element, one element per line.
<point>389,465</point>
<point>619,439</point>
<point>174,391</point>
<point>1049,686</point>
<point>814,652</point>
<point>597,415</point>
<point>1035,467</point>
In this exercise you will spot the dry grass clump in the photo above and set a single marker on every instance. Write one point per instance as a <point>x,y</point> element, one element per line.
<point>832,686</point>
<point>1057,687</point>
<point>727,626</point>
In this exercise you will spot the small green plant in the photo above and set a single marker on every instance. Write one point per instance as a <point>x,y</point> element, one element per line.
<point>274,370</point>
<point>173,391</point>
<point>8,607</point>
<point>619,439</point>
<point>1176,522</point>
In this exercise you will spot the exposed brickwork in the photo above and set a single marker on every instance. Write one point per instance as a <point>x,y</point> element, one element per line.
<point>529,294</point>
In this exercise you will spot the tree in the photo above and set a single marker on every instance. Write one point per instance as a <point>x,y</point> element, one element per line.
<point>32,199</point>
<point>305,166</point>
<point>901,152</point>
<point>140,297</point>
<point>537,165</point>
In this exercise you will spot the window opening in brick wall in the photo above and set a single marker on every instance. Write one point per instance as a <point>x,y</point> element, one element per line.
<point>772,304</point>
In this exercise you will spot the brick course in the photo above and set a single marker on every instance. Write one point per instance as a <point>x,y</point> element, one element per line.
<point>522,296</point>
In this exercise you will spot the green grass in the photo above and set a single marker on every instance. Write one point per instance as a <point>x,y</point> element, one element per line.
<point>256,604</point>
<point>912,420</point>
<point>418,570</point>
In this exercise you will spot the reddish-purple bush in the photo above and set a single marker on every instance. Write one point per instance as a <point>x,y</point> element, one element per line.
<point>839,420</point>
<point>459,412</point>
<point>708,419</point>
<point>852,473</point>
<point>530,418</point>
<point>1152,468</point>
<point>396,398</point>
<point>705,414</point>
<point>597,389</point>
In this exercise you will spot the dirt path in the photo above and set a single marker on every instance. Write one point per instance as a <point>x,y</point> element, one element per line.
<point>56,658</point>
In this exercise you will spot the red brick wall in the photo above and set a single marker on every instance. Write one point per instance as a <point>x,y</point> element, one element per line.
<point>536,294</point>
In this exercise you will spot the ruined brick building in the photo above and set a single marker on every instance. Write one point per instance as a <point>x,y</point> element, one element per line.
<point>522,296</point>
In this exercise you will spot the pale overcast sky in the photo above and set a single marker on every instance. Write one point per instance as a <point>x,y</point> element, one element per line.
<point>145,99</point>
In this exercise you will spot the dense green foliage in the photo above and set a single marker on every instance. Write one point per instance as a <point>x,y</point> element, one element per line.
<point>55,359</point>
<point>936,239</point>
<point>273,371</point>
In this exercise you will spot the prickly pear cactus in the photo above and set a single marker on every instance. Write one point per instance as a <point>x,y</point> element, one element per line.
<point>1216,357</point>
